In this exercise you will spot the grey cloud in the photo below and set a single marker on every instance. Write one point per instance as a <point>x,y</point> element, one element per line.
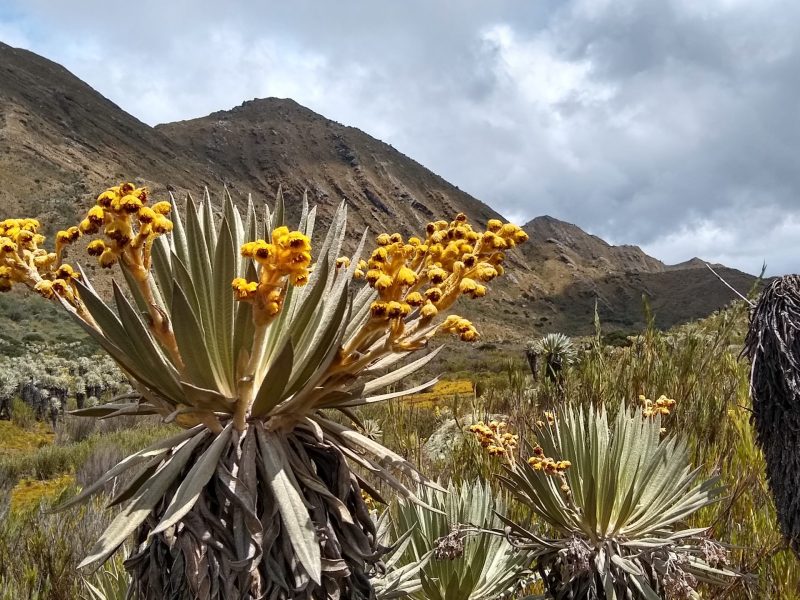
<point>673,125</point>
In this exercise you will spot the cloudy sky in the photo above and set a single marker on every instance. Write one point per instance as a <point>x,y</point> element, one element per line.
<point>671,124</point>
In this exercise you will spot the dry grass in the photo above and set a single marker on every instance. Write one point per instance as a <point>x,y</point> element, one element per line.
<point>29,493</point>
<point>17,440</point>
<point>442,391</point>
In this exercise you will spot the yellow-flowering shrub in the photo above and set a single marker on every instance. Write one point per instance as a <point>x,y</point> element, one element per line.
<point>651,408</point>
<point>495,439</point>
<point>23,259</point>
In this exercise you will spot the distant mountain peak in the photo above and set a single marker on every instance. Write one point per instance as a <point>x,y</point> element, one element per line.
<point>272,141</point>
<point>61,142</point>
<point>589,251</point>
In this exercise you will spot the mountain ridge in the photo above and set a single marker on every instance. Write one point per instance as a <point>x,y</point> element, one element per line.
<point>61,142</point>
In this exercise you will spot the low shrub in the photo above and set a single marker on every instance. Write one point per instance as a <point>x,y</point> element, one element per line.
<point>22,415</point>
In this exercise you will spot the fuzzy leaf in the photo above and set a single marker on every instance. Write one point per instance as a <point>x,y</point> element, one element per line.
<point>294,515</point>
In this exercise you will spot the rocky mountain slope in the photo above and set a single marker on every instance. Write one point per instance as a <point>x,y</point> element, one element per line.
<point>573,269</point>
<point>262,144</point>
<point>61,142</point>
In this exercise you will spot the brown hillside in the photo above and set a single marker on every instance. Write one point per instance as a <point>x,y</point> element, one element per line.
<point>61,142</point>
<point>572,269</point>
<point>265,143</point>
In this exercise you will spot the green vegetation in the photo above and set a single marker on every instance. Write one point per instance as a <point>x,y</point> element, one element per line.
<point>696,364</point>
<point>294,412</point>
<point>40,550</point>
<point>26,319</point>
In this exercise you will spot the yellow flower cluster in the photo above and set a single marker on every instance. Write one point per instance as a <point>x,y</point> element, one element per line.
<point>550,418</point>
<point>495,438</point>
<point>429,275</point>
<point>288,256</point>
<point>461,327</point>
<point>540,462</point>
<point>23,260</point>
<point>129,225</point>
<point>652,408</point>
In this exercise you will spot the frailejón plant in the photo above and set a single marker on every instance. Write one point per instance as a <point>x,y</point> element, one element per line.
<point>614,504</point>
<point>233,331</point>
<point>461,559</point>
<point>773,348</point>
<point>558,353</point>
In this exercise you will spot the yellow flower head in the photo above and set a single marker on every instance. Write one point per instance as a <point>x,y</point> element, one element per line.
<point>108,258</point>
<point>68,236</point>
<point>279,233</point>
<point>298,279</point>
<point>96,215</point>
<point>467,286</point>
<point>379,309</point>
<point>384,282</point>
<point>378,257</point>
<point>88,228</point>
<point>128,204</point>
<point>45,260</point>
<point>96,247</point>
<point>162,208</point>
<point>486,272</point>
<point>373,275</point>
<point>66,272</point>
<point>259,250</point>
<point>146,215</point>
<point>437,275</point>
<point>428,311</point>
<point>243,289</point>
<point>44,288</point>
<point>433,294</point>
<point>296,241</point>
<point>493,241</point>
<point>25,239</point>
<point>120,232</point>
<point>508,230</point>
<point>415,299</point>
<point>396,310</point>
<point>494,225</point>
<point>406,276</point>
<point>471,335</point>
<point>162,225</point>
<point>107,198</point>
<point>60,287</point>
<point>7,246</point>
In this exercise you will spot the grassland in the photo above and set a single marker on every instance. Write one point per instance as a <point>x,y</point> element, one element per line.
<point>698,365</point>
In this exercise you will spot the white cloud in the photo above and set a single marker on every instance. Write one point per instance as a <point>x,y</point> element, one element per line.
<point>656,123</point>
<point>12,34</point>
<point>736,243</point>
